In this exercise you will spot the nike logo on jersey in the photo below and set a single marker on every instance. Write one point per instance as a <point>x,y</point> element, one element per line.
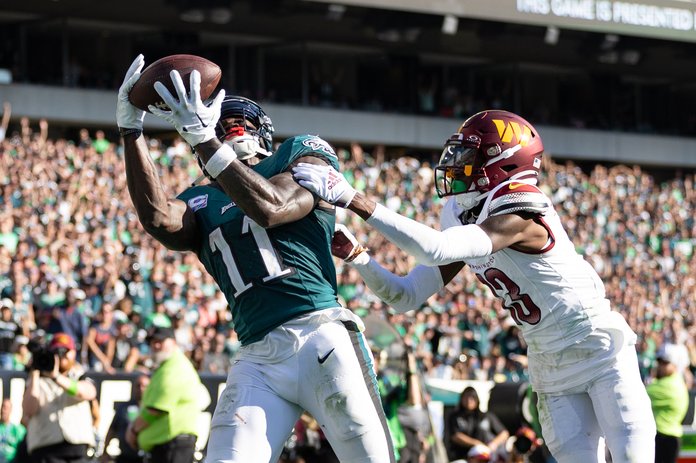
<point>228,207</point>
<point>323,359</point>
<point>514,186</point>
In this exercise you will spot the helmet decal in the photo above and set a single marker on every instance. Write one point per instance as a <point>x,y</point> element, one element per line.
<point>513,130</point>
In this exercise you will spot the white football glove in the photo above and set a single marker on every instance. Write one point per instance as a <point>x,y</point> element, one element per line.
<point>127,115</point>
<point>344,245</point>
<point>325,182</point>
<point>194,121</point>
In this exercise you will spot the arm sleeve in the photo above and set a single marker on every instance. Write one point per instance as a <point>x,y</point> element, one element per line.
<point>429,246</point>
<point>403,293</point>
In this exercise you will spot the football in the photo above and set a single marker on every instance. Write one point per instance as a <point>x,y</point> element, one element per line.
<point>143,92</point>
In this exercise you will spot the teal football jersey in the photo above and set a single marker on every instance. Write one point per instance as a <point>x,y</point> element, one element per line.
<point>268,276</point>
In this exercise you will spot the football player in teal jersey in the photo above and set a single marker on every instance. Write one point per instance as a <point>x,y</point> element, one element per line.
<point>266,241</point>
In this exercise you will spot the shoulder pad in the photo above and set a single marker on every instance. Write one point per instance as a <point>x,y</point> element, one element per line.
<point>518,197</point>
<point>294,148</point>
<point>312,145</point>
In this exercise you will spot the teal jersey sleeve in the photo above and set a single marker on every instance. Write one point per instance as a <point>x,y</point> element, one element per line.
<point>294,148</point>
<point>268,276</point>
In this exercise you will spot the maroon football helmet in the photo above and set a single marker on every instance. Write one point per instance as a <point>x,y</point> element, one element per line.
<point>490,148</point>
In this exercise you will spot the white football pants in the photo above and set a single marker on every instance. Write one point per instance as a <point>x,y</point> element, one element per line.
<point>615,405</point>
<point>320,363</point>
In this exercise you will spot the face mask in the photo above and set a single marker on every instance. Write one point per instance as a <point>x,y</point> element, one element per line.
<point>246,146</point>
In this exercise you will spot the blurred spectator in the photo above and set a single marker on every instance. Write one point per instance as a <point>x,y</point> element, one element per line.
<point>159,317</point>
<point>8,330</point>
<point>64,316</point>
<point>126,352</point>
<point>311,445</point>
<point>11,434</point>
<point>124,414</point>
<point>670,401</point>
<point>54,401</point>
<point>413,415</point>
<point>21,355</point>
<point>166,426</point>
<point>472,432</point>
<point>101,340</point>
<point>100,143</point>
<point>216,360</point>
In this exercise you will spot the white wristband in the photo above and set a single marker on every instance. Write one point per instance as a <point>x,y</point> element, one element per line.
<point>222,158</point>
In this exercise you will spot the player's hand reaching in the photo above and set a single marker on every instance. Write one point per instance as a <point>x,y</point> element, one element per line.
<point>325,182</point>
<point>194,120</point>
<point>344,245</point>
<point>127,115</point>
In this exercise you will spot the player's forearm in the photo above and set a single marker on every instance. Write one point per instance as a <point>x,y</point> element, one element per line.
<point>260,199</point>
<point>403,293</point>
<point>146,191</point>
<point>362,205</point>
<point>264,202</point>
<point>429,246</point>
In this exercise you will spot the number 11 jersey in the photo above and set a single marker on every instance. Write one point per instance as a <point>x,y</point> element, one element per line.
<point>269,276</point>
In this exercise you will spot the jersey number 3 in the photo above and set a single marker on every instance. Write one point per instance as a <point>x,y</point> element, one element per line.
<point>521,306</point>
<point>274,268</point>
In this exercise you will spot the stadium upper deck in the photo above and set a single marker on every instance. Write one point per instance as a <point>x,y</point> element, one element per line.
<point>546,59</point>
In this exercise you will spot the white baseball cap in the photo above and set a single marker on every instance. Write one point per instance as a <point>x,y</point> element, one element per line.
<point>675,354</point>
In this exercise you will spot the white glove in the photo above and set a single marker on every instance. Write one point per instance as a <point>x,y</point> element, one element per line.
<point>325,182</point>
<point>127,115</point>
<point>344,245</point>
<point>246,147</point>
<point>194,121</point>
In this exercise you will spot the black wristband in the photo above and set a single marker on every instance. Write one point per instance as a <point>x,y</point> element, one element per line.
<point>125,132</point>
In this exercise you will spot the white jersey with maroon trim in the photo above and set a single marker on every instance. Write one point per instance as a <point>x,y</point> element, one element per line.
<point>555,296</point>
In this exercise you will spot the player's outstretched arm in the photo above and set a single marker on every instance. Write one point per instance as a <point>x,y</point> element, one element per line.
<point>169,221</point>
<point>430,247</point>
<point>268,202</point>
<point>403,293</point>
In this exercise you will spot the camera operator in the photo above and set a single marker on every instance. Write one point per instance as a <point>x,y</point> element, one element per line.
<point>57,404</point>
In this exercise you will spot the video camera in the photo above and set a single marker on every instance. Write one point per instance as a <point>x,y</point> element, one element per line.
<point>526,441</point>
<point>42,358</point>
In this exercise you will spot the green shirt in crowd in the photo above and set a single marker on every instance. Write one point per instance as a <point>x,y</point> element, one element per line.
<point>175,388</point>
<point>11,434</point>
<point>670,400</point>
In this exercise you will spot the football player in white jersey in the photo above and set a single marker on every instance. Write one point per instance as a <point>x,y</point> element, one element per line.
<point>582,359</point>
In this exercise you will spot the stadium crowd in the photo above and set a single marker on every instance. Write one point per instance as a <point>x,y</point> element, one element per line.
<point>74,258</point>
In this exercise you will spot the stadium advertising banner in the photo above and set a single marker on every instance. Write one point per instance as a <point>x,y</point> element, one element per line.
<point>664,19</point>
